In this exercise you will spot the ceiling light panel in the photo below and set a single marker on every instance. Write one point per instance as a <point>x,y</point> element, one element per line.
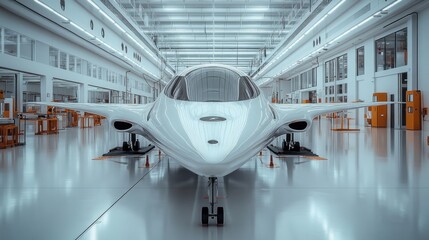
<point>255,25</point>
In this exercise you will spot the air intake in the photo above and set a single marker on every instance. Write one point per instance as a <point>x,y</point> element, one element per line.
<point>122,126</point>
<point>298,126</point>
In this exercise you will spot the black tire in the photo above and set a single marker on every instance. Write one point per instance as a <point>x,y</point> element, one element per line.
<point>220,216</point>
<point>125,146</point>
<point>205,216</point>
<point>297,147</point>
<point>137,145</point>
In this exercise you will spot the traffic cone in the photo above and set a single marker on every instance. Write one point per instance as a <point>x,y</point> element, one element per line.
<point>271,162</point>
<point>147,165</point>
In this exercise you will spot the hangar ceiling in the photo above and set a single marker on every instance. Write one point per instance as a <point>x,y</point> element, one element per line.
<point>240,33</point>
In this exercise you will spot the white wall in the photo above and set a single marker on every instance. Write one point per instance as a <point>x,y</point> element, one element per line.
<point>423,65</point>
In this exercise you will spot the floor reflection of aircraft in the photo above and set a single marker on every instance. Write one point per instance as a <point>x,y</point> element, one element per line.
<point>211,119</point>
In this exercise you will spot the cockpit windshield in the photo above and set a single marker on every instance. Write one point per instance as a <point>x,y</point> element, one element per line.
<point>211,84</point>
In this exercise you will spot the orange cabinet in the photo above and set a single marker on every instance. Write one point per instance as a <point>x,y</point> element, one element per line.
<point>413,112</point>
<point>379,113</point>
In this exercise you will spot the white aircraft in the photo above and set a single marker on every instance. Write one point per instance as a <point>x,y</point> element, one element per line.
<point>211,119</point>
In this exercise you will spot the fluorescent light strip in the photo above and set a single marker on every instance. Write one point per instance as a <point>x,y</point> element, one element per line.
<point>51,10</point>
<point>145,70</point>
<point>324,17</point>
<point>92,36</point>
<point>81,29</point>
<point>350,30</point>
<point>94,5</point>
<point>316,24</point>
<point>122,30</point>
<point>391,5</point>
<point>335,8</point>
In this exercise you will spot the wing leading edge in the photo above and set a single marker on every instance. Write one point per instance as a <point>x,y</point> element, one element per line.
<point>298,117</point>
<point>134,114</point>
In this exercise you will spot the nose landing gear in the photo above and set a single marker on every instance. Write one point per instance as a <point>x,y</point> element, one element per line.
<point>213,194</point>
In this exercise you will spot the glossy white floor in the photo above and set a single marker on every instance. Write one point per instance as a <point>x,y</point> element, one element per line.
<point>374,185</point>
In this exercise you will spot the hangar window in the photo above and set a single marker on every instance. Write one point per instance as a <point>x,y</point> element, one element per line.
<point>63,60</point>
<point>391,50</point>
<point>94,71</point>
<point>78,65</point>
<point>308,79</point>
<point>401,47</point>
<point>295,83</point>
<point>72,63</point>
<point>335,73</point>
<point>1,39</point>
<point>26,45</point>
<point>53,57</point>
<point>89,69</point>
<point>99,72</point>
<point>360,61</point>
<point>332,70</point>
<point>10,42</point>
<point>211,84</point>
<point>342,67</point>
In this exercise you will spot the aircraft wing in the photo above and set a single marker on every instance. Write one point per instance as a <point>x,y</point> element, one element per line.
<point>125,117</point>
<point>298,117</point>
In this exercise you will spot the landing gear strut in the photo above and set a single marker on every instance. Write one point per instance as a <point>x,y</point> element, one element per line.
<point>213,194</point>
<point>289,144</point>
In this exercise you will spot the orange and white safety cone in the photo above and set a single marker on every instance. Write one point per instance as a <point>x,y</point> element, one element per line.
<point>147,165</point>
<point>271,162</point>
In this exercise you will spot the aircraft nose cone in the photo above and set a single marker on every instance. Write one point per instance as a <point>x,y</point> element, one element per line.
<point>213,152</point>
<point>213,130</point>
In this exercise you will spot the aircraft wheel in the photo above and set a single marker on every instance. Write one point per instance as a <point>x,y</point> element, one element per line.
<point>220,216</point>
<point>297,147</point>
<point>137,145</point>
<point>124,146</point>
<point>205,216</point>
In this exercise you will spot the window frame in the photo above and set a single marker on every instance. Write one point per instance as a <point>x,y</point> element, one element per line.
<point>394,53</point>
<point>32,44</point>
<point>358,63</point>
<point>16,54</point>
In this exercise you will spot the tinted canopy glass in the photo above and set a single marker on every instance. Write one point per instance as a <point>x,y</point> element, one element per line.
<point>211,84</point>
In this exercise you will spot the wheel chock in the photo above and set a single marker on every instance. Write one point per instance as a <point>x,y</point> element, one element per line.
<point>271,165</point>
<point>147,165</point>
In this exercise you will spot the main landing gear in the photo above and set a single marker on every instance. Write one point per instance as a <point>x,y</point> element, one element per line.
<point>289,144</point>
<point>213,194</point>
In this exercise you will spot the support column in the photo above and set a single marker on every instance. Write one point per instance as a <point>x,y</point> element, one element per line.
<point>122,97</point>
<point>413,83</point>
<point>82,93</point>
<point>46,91</point>
<point>19,91</point>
